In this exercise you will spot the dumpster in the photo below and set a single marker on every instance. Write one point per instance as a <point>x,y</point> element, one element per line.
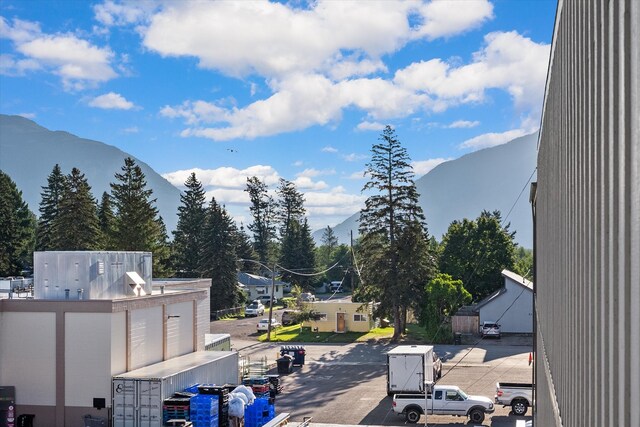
<point>285,364</point>
<point>296,351</point>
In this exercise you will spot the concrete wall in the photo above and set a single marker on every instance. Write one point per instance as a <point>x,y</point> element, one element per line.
<point>587,210</point>
<point>28,356</point>
<point>514,308</point>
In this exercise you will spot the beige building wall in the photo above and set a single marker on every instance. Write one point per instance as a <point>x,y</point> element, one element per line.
<point>118,343</point>
<point>179,329</point>
<point>28,356</point>
<point>146,337</point>
<point>357,318</point>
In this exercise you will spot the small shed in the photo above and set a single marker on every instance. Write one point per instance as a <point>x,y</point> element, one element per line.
<point>341,316</point>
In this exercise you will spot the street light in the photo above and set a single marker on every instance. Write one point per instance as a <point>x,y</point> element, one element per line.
<point>273,286</point>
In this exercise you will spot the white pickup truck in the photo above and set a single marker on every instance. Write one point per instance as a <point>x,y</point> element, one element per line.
<point>444,400</point>
<point>517,395</point>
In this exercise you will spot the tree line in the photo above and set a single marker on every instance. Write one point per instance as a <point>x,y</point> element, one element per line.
<point>397,264</point>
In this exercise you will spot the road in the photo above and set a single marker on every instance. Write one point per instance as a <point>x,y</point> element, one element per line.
<point>346,383</point>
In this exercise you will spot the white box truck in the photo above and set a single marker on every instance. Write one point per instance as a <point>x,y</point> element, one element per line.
<point>408,368</point>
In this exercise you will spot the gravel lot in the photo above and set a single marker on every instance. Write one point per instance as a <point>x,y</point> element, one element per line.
<point>346,383</point>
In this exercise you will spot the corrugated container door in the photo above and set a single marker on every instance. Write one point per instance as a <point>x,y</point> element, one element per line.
<point>124,392</point>
<point>150,403</point>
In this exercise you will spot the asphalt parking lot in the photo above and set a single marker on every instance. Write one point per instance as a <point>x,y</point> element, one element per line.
<point>346,383</point>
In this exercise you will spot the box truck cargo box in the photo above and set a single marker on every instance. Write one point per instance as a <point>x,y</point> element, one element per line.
<point>406,368</point>
<point>137,396</point>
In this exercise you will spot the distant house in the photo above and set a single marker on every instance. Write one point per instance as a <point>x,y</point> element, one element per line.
<point>256,286</point>
<point>511,306</point>
<point>341,316</point>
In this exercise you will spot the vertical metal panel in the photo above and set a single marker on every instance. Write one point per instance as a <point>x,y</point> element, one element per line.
<point>588,219</point>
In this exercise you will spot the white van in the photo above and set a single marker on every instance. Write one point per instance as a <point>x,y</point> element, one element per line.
<point>335,287</point>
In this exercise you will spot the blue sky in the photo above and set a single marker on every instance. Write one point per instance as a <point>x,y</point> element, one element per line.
<point>298,90</point>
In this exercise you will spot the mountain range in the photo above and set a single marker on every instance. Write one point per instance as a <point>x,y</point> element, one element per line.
<point>489,179</point>
<point>29,151</point>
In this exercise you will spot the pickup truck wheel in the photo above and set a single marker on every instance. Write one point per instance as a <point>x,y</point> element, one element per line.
<point>476,415</point>
<point>519,407</point>
<point>413,415</point>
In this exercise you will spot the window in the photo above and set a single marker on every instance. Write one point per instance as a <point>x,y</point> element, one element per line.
<point>322,317</point>
<point>359,317</point>
<point>439,395</point>
<point>261,291</point>
<point>453,395</point>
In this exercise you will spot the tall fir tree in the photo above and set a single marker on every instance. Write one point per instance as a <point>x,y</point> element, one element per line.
<point>390,214</point>
<point>298,253</point>
<point>137,224</point>
<point>262,211</point>
<point>289,207</point>
<point>189,233</point>
<point>106,221</point>
<point>17,229</point>
<point>49,204</point>
<point>76,226</point>
<point>218,258</point>
<point>244,250</point>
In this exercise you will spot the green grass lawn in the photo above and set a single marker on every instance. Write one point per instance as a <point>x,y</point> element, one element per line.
<point>294,333</point>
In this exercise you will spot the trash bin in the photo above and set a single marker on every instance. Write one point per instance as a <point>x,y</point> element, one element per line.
<point>25,420</point>
<point>296,351</point>
<point>457,338</point>
<point>285,364</point>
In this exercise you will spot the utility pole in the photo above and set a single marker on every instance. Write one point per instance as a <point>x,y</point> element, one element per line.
<point>353,265</point>
<point>273,286</point>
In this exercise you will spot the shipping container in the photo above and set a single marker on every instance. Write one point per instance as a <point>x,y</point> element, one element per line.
<point>217,342</point>
<point>408,368</point>
<point>137,396</point>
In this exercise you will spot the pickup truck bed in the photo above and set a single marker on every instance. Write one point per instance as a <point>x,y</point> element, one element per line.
<point>517,395</point>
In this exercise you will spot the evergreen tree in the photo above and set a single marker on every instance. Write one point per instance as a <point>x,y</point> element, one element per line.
<point>390,218</point>
<point>76,226</point>
<point>137,224</point>
<point>106,221</point>
<point>17,229</point>
<point>477,251</point>
<point>244,250</point>
<point>188,236</point>
<point>162,252</point>
<point>49,204</point>
<point>329,244</point>
<point>218,260</point>
<point>298,253</point>
<point>261,208</point>
<point>290,206</point>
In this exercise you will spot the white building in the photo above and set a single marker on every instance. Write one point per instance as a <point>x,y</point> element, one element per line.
<point>94,315</point>
<point>256,286</point>
<point>511,306</point>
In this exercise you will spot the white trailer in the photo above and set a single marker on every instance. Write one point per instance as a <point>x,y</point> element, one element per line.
<point>408,368</point>
<point>138,395</point>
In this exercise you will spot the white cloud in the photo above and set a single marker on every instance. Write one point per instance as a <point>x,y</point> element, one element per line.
<point>364,126</point>
<point>111,13</point>
<point>111,101</point>
<point>357,175</point>
<point>228,196</point>
<point>76,61</point>
<point>422,167</point>
<point>444,19</point>
<point>329,149</point>
<point>305,182</point>
<point>226,177</point>
<point>132,129</point>
<point>311,172</point>
<point>273,39</point>
<point>492,139</point>
<point>298,163</point>
<point>9,66</point>
<point>463,124</point>
<point>29,116</point>
<point>354,157</point>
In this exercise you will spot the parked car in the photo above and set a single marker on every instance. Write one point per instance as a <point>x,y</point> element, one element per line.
<point>266,300</point>
<point>335,287</point>
<point>517,395</point>
<point>263,324</point>
<point>444,400</point>
<point>307,297</point>
<point>437,367</point>
<point>289,317</point>
<point>254,309</point>
<point>490,329</point>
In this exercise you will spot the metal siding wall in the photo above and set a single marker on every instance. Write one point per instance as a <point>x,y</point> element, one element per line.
<point>588,220</point>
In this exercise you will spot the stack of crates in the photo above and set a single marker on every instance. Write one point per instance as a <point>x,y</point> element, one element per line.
<point>259,385</point>
<point>222,393</point>
<point>176,408</point>
<point>259,413</point>
<point>204,410</point>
